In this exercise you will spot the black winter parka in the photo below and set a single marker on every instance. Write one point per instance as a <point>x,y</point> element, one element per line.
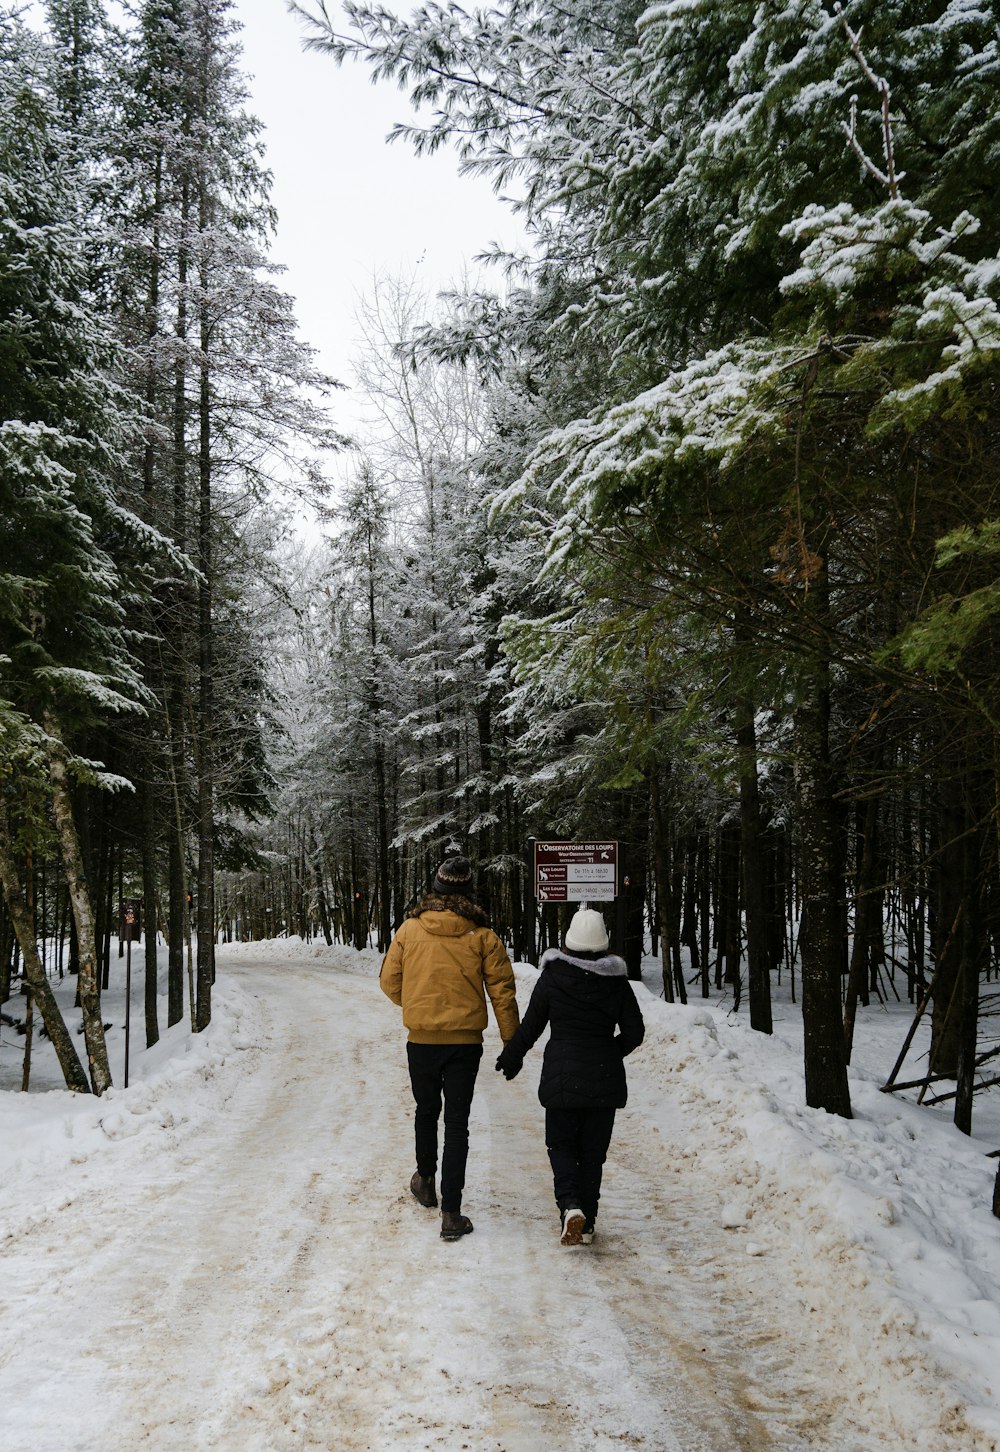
<point>585,1000</point>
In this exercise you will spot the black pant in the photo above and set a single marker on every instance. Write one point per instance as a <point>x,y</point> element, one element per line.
<point>448,1069</point>
<point>577,1141</point>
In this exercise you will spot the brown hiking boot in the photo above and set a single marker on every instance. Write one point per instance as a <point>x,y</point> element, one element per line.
<point>454,1225</point>
<point>422,1186</point>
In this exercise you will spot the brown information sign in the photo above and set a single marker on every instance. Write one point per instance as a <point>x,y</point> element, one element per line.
<point>576,871</point>
<point>130,919</point>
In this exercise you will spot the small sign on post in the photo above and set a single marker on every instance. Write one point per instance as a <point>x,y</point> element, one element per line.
<point>576,871</point>
<point>130,920</point>
<point>129,929</point>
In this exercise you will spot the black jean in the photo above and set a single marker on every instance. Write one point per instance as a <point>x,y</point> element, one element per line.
<point>447,1070</point>
<point>577,1141</point>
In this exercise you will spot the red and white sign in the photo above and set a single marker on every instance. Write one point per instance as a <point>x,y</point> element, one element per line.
<point>576,871</point>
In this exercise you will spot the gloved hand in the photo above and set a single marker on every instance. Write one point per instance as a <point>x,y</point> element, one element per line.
<point>508,1066</point>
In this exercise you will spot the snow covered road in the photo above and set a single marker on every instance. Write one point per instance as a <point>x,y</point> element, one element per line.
<point>253,1275</point>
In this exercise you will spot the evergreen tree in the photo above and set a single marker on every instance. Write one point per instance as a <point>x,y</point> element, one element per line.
<point>67,661</point>
<point>231,395</point>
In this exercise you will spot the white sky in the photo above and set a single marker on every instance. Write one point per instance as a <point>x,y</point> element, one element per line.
<point>349,204</point>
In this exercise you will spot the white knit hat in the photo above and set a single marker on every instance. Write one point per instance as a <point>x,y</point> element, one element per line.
<point>587,933</point>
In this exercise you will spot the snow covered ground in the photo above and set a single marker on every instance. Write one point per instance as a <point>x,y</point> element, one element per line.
<point>225,1255</point>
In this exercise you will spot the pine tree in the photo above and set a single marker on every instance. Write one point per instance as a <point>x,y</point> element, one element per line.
<point>230,390</point>
<point>67,660</point>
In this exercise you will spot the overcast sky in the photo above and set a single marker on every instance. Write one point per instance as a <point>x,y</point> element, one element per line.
<point>349,204</point>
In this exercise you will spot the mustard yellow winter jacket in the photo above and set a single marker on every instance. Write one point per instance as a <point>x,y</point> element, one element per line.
<point>439,968</point>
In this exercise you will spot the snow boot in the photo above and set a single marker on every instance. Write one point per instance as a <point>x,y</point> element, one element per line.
<point>573,1222</point>
<point>454,1225</point>
<point>422,1186</point>
<point>587,1233</point>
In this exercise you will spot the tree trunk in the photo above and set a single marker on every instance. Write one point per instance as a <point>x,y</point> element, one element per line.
<point>359,889</point>
<point>677,892</point>
<point>173,694</point>
<point>206,727</point>
<point>149,490</point>
<point>866,899</point>
<point>176,873</point>
<point>822,883</point>
<point>728,908</point>
<point>689,919</point>
<point>317,870</point>
<point>34,970</point>
<point>484,732</point>
<point>703,883</point>
<point>974,956</point>
<point>149,913</point>
<point>8,938</point>
<point>947,932</point>
<point>375,715</point>
<point>661,871</point>
<point>752,862</point>
<point>29,1034</point>
<point>83,914</point>
<point>108,904</point>
<point>632,869</point>
<point>29,1005</point>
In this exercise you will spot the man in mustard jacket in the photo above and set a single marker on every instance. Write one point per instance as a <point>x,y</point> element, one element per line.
<point>440,966</point>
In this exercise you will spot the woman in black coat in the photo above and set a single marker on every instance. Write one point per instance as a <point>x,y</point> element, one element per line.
<point>584,993</point>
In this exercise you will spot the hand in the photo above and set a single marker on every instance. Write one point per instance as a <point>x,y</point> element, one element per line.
<point>507,1067</point>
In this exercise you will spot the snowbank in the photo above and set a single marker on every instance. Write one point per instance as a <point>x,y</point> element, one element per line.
<point>294,949</point>
<point>173,1087</point>
<point>893,1205</point>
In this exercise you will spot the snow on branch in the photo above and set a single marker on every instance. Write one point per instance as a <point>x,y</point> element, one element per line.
<point>93,688</point>
<point>706,412</point>
<point>842,246</point>
<point>949,301</point>
<point>969,330</point>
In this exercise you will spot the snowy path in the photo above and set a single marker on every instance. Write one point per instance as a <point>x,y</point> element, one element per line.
<point>264,1282</point>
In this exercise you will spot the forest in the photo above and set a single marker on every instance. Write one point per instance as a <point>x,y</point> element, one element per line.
<point>683,534</point>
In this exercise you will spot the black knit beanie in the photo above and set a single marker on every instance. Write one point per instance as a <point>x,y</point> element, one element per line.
<point>454,875</point>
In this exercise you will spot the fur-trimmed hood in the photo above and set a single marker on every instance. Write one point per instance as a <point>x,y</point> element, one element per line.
<point>607,965</point>
<point>451,902</point>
